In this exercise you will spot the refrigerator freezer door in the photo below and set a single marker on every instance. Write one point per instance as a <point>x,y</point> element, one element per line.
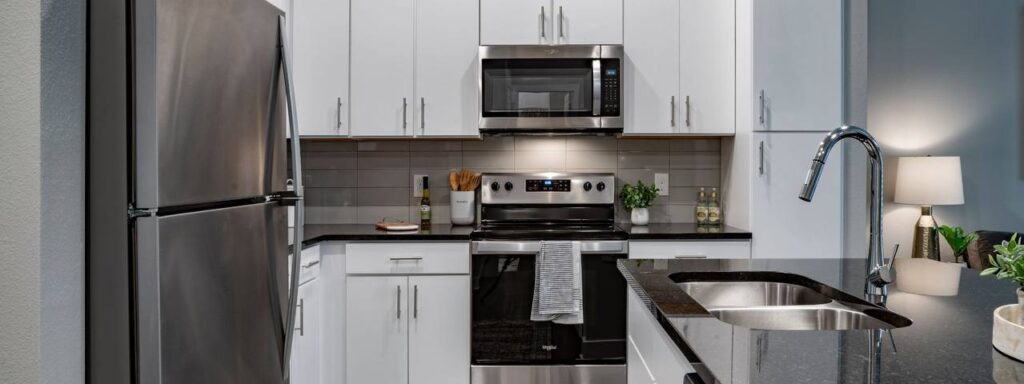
<point>209,306</point>
<point>204,75</point>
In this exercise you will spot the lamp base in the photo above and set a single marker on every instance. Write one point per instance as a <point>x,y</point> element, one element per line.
<point>926,236</point>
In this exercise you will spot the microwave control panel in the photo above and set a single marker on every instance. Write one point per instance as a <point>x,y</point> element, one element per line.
<point>610,90</point>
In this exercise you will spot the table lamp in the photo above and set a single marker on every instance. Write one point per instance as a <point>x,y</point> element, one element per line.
<point>928,181</point>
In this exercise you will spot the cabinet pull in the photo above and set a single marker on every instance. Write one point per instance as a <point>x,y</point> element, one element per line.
<point>687,111</point>
<point>761,115</point>
<point>302,318</point>
<point>415,301</point>
<point>561,20</point>
<point>690,257</point>
<point>542,18</point>
<point>405,109</point>
<point>423,115</point>
<point>397,259</point>
<point>398,301</point>
<point>760,167</point>
<point>311,263</point>
<point>672,114</point>
<point>338,129</point>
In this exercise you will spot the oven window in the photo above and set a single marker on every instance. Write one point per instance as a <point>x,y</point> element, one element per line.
<point>538,88</point>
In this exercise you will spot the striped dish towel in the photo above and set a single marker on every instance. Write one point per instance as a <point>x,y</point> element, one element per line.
<point>558,283</point>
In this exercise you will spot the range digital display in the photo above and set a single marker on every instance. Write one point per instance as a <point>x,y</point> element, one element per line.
<point>548,185</point>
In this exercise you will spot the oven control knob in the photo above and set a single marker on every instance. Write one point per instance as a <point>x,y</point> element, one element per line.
<point>600,186</point>
<point>508,185</point>
<point>587,186</point>
<point>495,186</point>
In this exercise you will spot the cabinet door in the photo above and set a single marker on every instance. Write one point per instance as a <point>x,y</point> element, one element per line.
<point>377,329</point>
<point>517,22</point>
<point>447,37</point>
<point>636,369</point>
<point>786,226</point>
<point>439,329</point>
<point>798,65</point>
<point>651,71</point>
<point>588,21</point>
<point>320,57</point>
<point>382,67</point>
<point>305,357</point>
<point>707,82</point>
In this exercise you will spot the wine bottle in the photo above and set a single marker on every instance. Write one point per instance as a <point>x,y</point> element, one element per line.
<point>425,204</point>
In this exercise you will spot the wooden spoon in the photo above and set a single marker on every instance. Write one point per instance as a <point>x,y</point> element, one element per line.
<point>453,181</point>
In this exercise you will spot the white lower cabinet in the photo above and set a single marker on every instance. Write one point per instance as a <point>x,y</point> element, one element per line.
<point>439,330</point>
<point>377,327</point>
<point>305,357</point>
<point>703,249</point>
<point>652,358</point>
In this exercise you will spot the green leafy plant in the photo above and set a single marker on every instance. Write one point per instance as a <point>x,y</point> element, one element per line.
<point>958,239</point>
<point>638,196</point>
<point>1008,262</point>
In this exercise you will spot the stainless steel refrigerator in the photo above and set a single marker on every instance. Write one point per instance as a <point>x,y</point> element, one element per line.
<point>188,190</point>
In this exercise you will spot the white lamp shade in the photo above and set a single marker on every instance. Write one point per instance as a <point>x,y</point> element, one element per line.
<point>929,181</point>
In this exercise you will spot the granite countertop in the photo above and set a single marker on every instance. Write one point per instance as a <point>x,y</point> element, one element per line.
<point>948,342</point>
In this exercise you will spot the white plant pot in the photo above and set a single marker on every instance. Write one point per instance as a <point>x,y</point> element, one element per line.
<point>463,207</point>
<point>639,216</point>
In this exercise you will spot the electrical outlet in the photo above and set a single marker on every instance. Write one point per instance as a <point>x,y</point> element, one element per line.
<point>661,182</point>
<point>417,185</point>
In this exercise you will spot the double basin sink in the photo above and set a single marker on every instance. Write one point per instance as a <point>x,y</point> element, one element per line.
<point>782,301</point>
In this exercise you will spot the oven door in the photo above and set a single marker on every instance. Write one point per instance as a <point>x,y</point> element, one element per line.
<point>502,333</point>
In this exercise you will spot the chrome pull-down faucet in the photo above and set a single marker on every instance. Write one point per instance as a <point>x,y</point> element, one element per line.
<point>879,275</point>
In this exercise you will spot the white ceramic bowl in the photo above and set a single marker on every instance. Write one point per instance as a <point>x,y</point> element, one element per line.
<point>1008,330</point>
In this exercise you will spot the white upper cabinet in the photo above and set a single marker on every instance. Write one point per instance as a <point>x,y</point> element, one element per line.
<point>707,81</point>
<point>447,37</point>
<point>517,22</point>
<point>786,226</point>
<point>587,21</point>
<point>320,61</point>
<point>532,22</point>
<point>382,68</point>
<point>651,69</point>
<point>798,65</point>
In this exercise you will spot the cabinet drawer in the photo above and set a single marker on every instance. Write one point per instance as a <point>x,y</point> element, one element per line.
<point>708,249</point>
<point>407,258</point>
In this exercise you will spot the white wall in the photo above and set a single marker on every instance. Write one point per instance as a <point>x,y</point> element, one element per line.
<point>20,202</point>
<point>945,79</point>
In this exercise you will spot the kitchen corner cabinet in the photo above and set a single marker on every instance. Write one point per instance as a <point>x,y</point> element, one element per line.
<point>320,60</point>
<point>785,226</point>
<point>414,75</point>
<point>798,65</point>
<point>544,22</point>
<point>680,74</point>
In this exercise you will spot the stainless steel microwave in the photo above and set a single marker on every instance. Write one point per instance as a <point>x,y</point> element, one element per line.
<point>551,89</point>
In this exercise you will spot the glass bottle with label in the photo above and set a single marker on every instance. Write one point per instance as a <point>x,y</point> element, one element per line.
<point>702,208</point>
<point>714,209</point>
<point>425,205</point>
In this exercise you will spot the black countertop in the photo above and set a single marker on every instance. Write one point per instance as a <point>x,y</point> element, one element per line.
<point>314,233</point>
<point>948,342</point>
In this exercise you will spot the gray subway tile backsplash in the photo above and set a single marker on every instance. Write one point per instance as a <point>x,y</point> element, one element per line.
<point>366,181</point>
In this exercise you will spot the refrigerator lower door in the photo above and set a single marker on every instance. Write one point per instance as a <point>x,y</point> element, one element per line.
<point>208,300</point>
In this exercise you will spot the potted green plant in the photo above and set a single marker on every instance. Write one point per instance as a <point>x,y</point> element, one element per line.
<point>1008,264</point>
<point>958,240</point>
<point>638,198</point>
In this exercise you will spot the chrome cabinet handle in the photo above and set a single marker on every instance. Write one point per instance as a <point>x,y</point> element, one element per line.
<point>302,318</point>
<point>311,263</point>
<point>398,301</point>
<point>397,259</point>
<point>415,301</point>
<point>405,109</point>
<point>339,116</point>
<point>672,115</point>
<point>423,115</point>
<point>542,18</point>
<point>761,116</point>
<point>760,167</point>
<point>690,257</point>
<point>561,20</point>
<point>687,111</point>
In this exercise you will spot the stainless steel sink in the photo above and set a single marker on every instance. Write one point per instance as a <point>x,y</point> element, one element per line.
<point>780,301</point>
<point>721,294</point>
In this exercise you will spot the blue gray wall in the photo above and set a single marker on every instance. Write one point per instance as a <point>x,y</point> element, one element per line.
<point>944,78</point>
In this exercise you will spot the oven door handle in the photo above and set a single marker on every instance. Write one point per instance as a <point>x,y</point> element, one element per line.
<point>605,247</point>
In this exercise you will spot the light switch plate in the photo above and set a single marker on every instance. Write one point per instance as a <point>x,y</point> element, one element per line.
<point>661,182</point>
<point>417,185</point>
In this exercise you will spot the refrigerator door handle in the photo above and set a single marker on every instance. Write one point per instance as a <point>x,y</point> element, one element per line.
<point>293,278</point>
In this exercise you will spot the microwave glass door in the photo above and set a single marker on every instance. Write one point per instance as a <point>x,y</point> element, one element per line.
<point>538,88</point>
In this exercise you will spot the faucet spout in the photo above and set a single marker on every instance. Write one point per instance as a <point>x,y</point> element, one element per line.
<point>878,275</point>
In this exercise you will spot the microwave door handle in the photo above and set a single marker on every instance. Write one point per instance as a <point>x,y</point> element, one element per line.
<point>597,87</point>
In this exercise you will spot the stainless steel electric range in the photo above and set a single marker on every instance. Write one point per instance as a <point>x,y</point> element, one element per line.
<point>518,212</point>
